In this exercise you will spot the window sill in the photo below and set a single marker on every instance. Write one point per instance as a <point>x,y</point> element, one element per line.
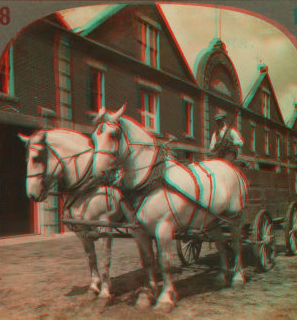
<point>155,133</point>
<point>187,136</point>
<point>8,97</point>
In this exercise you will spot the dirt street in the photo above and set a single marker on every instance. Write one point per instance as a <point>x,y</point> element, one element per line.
<point>50,279</point>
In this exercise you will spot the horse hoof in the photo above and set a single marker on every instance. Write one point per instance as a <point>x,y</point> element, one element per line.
<point>105,301</point>
<point>164,307</point>
<point>221,280</point>
<point>143,301</point>
<point>94,288</point>
<point>238,283</point>
<point>105,295</point>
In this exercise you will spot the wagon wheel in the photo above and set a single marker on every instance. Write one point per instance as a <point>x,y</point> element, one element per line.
<point>264,238</point>
<point>291,228</point>
<point>188,251</point>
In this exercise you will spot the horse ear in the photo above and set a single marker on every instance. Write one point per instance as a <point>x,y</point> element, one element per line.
<point>42,136</point>
<point>24,138</point>
<point>99,116</point>
<point>101,113</point>
<point>116,116</point>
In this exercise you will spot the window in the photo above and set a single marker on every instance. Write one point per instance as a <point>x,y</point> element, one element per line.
<point>295,147</point>
<point>253,137</point>
<point>188,117</point>
<point>267,166</point>
<point>277,145</point>
<point>150,109</point>
<point>62,55</point>
<point>147,35</point>
<point>266,104</point>
<point>266,141</point>
<point>189,156</point>
<point>6,73</point>
<point>288,144</point>
<point>96,89</point>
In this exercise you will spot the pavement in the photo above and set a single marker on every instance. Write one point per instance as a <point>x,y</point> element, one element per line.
<point>32,238</point>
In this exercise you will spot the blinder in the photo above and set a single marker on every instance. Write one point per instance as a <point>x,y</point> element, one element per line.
<point>118,130</point>
<point>42,156</point>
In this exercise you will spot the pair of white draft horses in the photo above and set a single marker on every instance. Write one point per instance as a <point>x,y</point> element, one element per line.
<point>155,191</point>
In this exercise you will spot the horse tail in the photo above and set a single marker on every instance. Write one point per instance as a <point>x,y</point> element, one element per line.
<point>244,186</point>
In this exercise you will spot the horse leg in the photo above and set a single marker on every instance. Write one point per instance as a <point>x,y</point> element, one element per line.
<point>164,235</point>
<point>217,236</point>
<point>105,245</point>
<point>238,279</point>
<point>144,243</point>
<point>91,254</point>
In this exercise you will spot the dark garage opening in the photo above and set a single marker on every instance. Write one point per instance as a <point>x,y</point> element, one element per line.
<point>15,215</point>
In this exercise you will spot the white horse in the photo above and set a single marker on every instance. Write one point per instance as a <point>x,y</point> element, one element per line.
<point>65,157</point>
<point>173,197</point>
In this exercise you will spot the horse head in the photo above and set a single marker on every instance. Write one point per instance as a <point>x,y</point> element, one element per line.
<point>109,140</point>
<point>42,165</point>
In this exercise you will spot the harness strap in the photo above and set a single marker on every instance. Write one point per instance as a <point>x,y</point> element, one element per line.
<point>172,209</point>
<point>198,204</point>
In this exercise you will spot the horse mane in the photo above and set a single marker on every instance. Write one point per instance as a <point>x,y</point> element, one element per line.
<point>136,132</point>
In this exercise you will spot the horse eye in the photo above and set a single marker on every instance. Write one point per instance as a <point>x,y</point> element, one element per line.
<point>37,158</point>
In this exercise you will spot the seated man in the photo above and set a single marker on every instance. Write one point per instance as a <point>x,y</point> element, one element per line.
<point>225,141</point>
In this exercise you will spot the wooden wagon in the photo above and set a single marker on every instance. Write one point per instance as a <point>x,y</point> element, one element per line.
<point>272,205</point>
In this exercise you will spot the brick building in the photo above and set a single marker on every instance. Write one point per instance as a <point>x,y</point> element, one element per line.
<point>126,53</point>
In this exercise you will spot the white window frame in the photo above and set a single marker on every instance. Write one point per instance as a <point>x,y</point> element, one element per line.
<point>148,96</point>
<point>148,51</point>
<point>100,69</point>
<point>253,137</point>
<point>188,103</point>
<point>295,146</point>
<point>7,63</point>
<point>277,144</point>
<point>152,88</point>
<point>288,144</point>
<point>266,141</point>
<point>266,103</point>
<point>64,85</point>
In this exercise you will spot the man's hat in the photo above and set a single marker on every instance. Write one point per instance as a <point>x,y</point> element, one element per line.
<point>221,114</point>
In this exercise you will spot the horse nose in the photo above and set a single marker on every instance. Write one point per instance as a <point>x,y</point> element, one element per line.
<point>33,197</point>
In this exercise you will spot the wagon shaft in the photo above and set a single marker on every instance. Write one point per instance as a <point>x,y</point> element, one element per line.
<point>99,224</point>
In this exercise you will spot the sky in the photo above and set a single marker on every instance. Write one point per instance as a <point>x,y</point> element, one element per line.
<point>248,40</point>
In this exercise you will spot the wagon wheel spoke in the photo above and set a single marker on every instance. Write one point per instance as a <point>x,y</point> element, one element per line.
<point>271,250</point>
<point>263,255</point>
<point>194,250</point>
<point>269,229</point>
<point>293,240</point>
<point>264,228</point>
<point>264,235</point>
<point>291,229</point>
<point>188,251</point>
<point>294,219</point>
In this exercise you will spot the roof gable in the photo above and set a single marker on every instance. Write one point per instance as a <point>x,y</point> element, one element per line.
<point>57,18</point>
<point>100,18</point>
<point>253,100</point>
<point>291,119</point>
<point>114,27</point>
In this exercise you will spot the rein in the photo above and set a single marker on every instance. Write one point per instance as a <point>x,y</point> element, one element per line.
<point>48,180</point>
